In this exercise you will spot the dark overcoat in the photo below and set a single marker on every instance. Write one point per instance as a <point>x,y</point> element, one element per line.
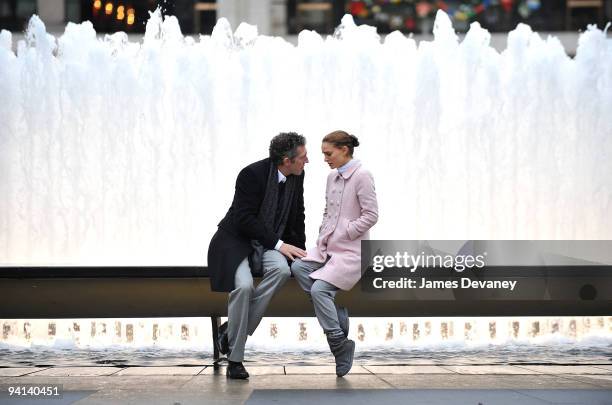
<point>232,241</point>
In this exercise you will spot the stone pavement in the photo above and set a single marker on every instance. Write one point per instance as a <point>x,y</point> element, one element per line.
<point>297,384</point>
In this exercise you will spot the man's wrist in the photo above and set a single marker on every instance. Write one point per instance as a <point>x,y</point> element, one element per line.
<point>278,244</point>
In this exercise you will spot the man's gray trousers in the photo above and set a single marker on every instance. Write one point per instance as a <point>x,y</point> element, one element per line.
<point>247,303</point>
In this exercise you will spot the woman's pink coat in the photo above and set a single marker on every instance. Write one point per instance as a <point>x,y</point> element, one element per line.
<point>351,209</point>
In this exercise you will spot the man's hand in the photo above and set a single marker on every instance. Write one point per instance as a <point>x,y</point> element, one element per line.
<point>291,251</point>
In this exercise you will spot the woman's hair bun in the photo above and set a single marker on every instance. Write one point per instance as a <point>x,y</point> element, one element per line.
<point>342,138</point>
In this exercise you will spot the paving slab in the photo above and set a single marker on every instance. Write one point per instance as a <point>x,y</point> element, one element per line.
<point>466,381</point>
<point>319,381</point>
<point>493,369</point>
<point>408,370</point>
<point>219,383</point>
<point>67,383</point>
<point>291,370</point>
<point>602,381</point>
<point>67,397</point>
<point>145,371</point>
<point>420,388</point>
<point>19,371</point>
<point>158,382</point>
<point>431,397</point>
<point>566,369</point>
<point>76,371</point>
<point>168,398</point>
<point>252,370</point>
<point>570,396</point>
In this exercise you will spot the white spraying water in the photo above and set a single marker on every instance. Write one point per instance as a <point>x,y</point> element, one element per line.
<point>114,152</point>
<point>293,335</point>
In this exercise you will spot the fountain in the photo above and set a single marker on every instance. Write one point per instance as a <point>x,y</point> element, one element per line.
<point>187,341</point>
<point>114,152</point>
<point>121,153</point>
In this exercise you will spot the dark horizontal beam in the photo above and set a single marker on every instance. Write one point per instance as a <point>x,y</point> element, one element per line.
<point>183,296</point>
<point>43,272</point>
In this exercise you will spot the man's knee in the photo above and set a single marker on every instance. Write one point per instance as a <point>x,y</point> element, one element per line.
<point>277,264</point>
<point>244,287</point>
<point>284,272</point>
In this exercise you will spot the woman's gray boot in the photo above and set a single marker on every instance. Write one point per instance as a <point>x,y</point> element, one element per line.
<point>343,350</point>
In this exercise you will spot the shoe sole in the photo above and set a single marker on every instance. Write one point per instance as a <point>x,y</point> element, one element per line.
<point>227,374</point>
<point>237,378</point>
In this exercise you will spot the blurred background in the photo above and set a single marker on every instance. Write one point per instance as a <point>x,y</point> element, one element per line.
<point>288,17</point>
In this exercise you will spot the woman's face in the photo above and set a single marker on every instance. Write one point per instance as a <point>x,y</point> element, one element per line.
<point>333,156</point>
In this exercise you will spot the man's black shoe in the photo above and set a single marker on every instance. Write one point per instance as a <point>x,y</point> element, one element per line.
<point>223,342</point>
<point>236,371</point>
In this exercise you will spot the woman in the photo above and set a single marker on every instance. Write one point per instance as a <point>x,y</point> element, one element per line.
<point>351,210</point>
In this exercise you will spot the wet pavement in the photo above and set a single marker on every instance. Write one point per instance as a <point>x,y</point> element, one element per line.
<point>367,384</point>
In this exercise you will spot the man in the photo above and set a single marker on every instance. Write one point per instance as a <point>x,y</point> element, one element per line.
<point>262,230</point>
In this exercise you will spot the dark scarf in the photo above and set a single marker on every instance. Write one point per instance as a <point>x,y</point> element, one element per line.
<point>274,212</point>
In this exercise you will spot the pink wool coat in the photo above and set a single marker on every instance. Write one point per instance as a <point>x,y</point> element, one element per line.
<point>351,209</point>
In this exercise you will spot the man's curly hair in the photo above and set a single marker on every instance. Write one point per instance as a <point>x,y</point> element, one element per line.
<point>284,145</point>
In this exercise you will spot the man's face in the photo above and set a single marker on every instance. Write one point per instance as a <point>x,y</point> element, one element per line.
<point>296,167</point>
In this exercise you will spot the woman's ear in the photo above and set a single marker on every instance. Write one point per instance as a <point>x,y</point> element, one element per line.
<point>346,150</point>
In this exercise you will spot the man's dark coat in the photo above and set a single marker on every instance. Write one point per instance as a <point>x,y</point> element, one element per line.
<point>232,241</point>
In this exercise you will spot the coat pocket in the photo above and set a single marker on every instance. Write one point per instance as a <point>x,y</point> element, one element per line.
<point>345,225</point>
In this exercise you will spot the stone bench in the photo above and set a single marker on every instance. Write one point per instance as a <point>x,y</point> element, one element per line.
<point>173,291</point>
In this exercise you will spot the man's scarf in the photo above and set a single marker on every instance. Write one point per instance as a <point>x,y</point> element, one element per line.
<point>268,213</point>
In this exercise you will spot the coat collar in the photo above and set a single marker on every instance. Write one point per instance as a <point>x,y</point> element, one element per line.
<point>349,172</point>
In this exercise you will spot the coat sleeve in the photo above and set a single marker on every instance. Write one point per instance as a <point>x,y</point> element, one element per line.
<point>247,199</point>
<point>366,194</point>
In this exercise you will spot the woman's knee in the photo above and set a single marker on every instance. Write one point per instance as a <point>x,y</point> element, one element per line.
<point>320,289</point>
<point>284,271</point>
<point>297,267</point>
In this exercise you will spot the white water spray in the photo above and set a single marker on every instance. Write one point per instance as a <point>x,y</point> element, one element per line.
<point>295,335</point>
<point>114,152</point>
